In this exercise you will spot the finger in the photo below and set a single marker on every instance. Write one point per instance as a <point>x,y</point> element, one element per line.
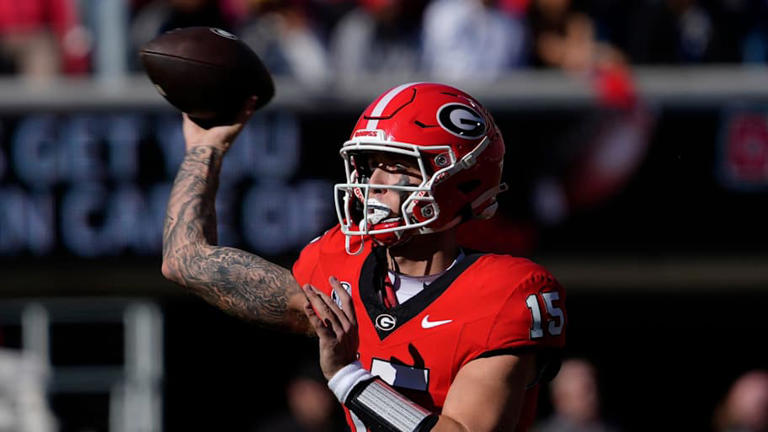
<point>325,311</point>
<point>318,306</point>
<point>346,300</point>
<point>336,310</point>
<point>337,315</point>
<point>320,329</point>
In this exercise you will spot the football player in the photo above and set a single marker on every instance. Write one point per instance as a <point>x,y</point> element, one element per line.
<point>415,333</point>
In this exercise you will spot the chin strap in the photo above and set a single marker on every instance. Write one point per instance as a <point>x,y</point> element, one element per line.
<point>348,244</point>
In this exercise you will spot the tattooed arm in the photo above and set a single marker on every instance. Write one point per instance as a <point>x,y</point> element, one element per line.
<point>238,282</point>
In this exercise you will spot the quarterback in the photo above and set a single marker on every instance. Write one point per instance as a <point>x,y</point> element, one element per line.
<point>415,332</point>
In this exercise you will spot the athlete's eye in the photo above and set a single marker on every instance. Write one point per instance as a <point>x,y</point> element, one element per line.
<point>368,162</point>
<point>397,168</point>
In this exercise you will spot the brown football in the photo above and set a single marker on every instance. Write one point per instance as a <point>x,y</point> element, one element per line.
<point>206,72</point>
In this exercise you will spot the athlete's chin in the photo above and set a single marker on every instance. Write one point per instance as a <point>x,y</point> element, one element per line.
<point>398,247</point>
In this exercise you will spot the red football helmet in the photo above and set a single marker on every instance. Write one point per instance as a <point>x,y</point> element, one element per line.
<point>456,146</point>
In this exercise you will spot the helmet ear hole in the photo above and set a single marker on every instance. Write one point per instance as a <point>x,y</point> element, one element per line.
<point>468,186</point>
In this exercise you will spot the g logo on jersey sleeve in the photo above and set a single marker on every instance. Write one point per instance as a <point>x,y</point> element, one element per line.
<point>347,287</point>
<point>461,120</point>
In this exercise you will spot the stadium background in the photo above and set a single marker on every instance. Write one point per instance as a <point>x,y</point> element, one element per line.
<point>650,210</point>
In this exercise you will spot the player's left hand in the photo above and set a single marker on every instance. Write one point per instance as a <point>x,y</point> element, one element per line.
<point>336,327</point>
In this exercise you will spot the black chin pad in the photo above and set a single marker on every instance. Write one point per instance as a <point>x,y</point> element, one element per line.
<point>356,212</point>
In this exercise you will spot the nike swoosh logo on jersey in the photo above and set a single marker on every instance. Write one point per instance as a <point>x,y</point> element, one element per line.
<point>426,323</point>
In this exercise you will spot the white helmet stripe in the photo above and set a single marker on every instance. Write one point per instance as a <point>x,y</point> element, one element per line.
<point>383,102</point>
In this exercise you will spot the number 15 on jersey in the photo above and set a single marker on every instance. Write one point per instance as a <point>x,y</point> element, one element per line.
<point>556,318</point>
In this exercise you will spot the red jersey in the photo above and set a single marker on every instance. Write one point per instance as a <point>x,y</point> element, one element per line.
<point>484,305</point>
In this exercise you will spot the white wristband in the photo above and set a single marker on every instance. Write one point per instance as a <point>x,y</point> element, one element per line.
<point>342,382</point>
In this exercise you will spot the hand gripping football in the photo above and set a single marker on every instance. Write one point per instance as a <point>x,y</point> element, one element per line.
<point>206,72</point>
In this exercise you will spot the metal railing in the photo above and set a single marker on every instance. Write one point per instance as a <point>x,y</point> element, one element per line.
<point>134,387</point>
<point>670,86</point>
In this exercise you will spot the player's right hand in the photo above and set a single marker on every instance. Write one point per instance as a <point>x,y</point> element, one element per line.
<point>220,137</point>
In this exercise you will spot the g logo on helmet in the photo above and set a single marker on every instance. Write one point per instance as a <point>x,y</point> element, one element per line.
<point>385,322</point>
<point>461,120</point>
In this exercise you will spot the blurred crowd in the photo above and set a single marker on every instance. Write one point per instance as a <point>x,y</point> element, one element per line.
<point>313,40</point>
<point>575,396</point>
<point>39,38</point>
<point>576,401</point>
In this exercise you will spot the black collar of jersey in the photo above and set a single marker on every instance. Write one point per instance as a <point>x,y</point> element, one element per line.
<point>372,275</point>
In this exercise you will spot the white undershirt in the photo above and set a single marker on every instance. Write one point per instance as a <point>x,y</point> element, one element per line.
<point>408,286</point>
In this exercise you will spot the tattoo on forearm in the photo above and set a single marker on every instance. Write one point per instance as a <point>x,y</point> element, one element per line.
<point>236,281</point>
<point>240,283</point>
<point>193,197</point>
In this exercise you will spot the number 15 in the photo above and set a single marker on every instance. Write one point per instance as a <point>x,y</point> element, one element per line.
<point>554,325</point>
